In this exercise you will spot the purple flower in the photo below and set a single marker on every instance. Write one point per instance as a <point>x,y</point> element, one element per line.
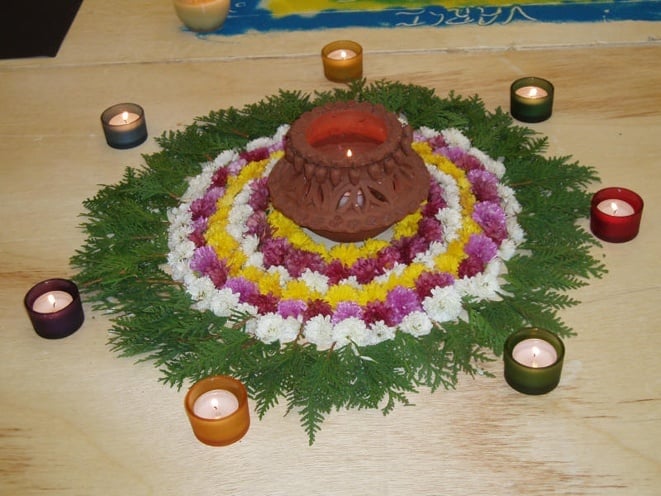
<point>401,301</point>
<point>291,308</point>
<point>484,185</point>
<point>346,309</point>
<point>481,247</point>
<point>491,217</point>
<point>199,228</point>
<point>244,288</point>
<point>460,158</point>
<point>206,262</point>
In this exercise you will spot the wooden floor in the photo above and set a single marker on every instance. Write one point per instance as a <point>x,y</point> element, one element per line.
<point>75,419</point>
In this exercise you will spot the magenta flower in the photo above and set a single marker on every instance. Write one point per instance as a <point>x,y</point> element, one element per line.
<point>220,177</point>
<point>291,308</point>
<point>206,262</point>
<point>297,261</point>
<point>435,200</point>
<point>275,251</point>
<point>199,228</point>
<point>258,225</point>
<point>265,303</point>
<point>401,301</point>
<point>460,158</point>
<point>255,155</point>
<point>431,280</point>
<point>317,307</point>
<point>206,206</point>
<point>491,218</point>
<point>481,247</point>
<point>244,288</point>
<point>376,311</point>
<point>345,310</point>
<point>430,230</point>
<point>366,269</point>
<point>484,185</point>
<point>470,267</point>
<point>259,194</point>
<point>336,271</point>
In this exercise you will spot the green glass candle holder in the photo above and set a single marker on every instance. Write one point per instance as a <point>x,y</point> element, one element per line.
<point>531,99</point>
<point>533,360</point>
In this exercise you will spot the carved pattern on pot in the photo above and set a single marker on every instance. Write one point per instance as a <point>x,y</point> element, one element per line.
<point>348,172</point>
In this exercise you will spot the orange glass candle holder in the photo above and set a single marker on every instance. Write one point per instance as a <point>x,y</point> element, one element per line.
<point>343,61</point>
<point>224,430</point>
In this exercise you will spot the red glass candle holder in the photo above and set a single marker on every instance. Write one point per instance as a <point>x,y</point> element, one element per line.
<point>227,429</point>
<point>55,308</point>
<point>615,214</point>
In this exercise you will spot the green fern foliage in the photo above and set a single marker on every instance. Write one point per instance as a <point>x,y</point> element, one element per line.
<point>120,265</point>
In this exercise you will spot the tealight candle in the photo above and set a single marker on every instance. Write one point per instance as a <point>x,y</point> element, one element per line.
<point>615,214</point>
<point>215,404</point>
<point>531,99</point>
<point>342,61</point>
<point>217,409</point>
<point>202,16</point>
<point>54,308</point>
<point>124,125</point>
<point>533,360</point>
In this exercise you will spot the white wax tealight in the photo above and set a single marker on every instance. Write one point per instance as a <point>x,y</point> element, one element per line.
<point>616,208</point>
<point>215,404</point>
<point>123,118</point>
<point>52,302</point>
<point>535,353</point>
<point>532,92</point>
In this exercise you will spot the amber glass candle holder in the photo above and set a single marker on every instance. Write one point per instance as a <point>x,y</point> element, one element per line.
<point>615,214</point>
<point>219,431</point>
<point>531,372</point>
<point>343,61</point>
<point>531,99</point>
<point>54,308</point>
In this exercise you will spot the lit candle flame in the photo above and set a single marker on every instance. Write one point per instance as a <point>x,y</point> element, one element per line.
<point>614,207</point>
<point>343,54</point>
<point>349,153</point>
<point>125,116</point>
<point>51,300</point>
<point>535,352</point>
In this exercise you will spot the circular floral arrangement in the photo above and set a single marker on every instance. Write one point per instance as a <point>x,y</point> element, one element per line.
<point>234,253</point>
<point>201,277</point>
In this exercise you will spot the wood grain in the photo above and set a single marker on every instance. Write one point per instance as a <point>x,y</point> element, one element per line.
<point>76,419</point>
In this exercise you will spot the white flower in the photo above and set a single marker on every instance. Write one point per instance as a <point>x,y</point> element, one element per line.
<point>272,327</point>
<point>454,137</point>
<point>223,302</point>
<point>382,332</point>
<point>351,329</point>
<point>443,305</point>
<point>319,331</point>
<point>416,324</point>
<point>315,281</point>
<point>225,158</point>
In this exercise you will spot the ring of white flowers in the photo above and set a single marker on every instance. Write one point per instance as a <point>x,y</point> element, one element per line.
<point>444,304</point>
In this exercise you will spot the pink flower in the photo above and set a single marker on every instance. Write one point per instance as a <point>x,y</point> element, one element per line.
<point>470,267</point>
<point>244,288</point>
<point>336,271</point>
<point>259,197</point>
<point>275,251</point>
<point>366,269</point>
<point>460,158</point>
<point>481,247</point>
<point>220,177</point>
<point>255,155</point>
<point>435,200</point>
